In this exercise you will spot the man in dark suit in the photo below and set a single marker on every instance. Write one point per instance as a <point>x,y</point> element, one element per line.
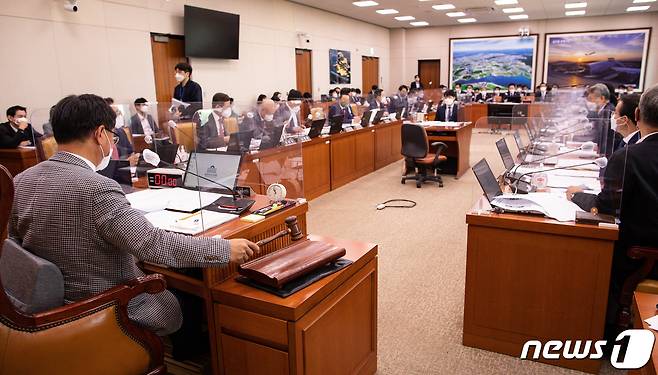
<point>600,111</point>
<point>416,85</point>
<point>448,109</point>
<point>543,95</point>
<point>342,108</point>
<point>623,121</point>
<point>142,122</point>
<point>480,96</point>
<point>17,131</point>
<point>187,91</point>
<point>512,96</point>
<point>495,96</point>
<point>630,189</point>
<point>400,101</point>
<point>211,130</point>
<point>262,121</point>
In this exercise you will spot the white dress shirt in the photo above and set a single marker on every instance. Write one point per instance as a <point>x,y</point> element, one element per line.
<point>628,137</point>
<point>89,163</point>
<point>145,124</point>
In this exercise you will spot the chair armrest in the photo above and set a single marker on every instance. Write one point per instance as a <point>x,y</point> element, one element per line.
<point>639,252</point>
<point>151,284</point>
<point>440,148</point>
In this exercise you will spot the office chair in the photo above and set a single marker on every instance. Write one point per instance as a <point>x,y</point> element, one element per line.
<point>42,335</point>
<point>417,157</point>
<point>636,282</point>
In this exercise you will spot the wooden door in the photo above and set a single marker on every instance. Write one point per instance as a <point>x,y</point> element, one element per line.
<point>369,73</point>
<point>168,50</point>
<point>304,75</point>
<point>429,71</point>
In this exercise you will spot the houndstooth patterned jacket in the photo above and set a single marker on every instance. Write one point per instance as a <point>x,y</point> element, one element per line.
<point>81,221</point>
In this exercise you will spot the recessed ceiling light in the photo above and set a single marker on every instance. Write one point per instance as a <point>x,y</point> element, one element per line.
<point>466,20</point>
<point>455,14</point>
<point>575,5</point>
<point>443,6</point>
<point>387,11</point>
<point>574,13</point>
<point>512,10</point>
<point>506,2</point>
<point>637,9</point>
<point>368,3</point>
<point>518,16</point>
<point>419,23</point>
<point>643,1</point>
<point>405,18</point>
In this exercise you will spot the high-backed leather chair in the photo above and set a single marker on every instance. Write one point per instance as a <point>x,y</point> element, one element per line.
<point>92,336</point>
<point>417,157</point>
<point>185,134</point>
<point>46,147</point>
<point>637,282</point>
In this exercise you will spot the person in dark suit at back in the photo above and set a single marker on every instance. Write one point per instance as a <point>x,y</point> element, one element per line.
<point>142,122</point>
<point>416,85</point>
<point>623,121</point>
<point>512,96</point>
<point>543,95</point>
<point>600,112</point>
<point>17,131</point>
<point>342,108</point>
<point>187,91</point>
<point>630,189</point>
<point>479,96</point>
<point>495,96</point>
<point>213,133</point>
<point>448,109</point>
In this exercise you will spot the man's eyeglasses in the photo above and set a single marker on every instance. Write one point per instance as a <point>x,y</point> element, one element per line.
<point>115,136</point>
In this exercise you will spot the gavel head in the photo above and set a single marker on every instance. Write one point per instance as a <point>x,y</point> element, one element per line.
<point>293,228</point>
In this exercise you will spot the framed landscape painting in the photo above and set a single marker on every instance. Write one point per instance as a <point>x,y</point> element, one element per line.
<point>615,57</point>
<point>493,61</point>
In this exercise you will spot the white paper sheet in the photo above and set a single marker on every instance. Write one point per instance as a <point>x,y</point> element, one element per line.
<point>551,205</point>
<point>181,222</point>
<point>556,181</point>
<point>179,199</point>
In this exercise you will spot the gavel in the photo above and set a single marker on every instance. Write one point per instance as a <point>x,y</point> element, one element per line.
<point>293,230</point>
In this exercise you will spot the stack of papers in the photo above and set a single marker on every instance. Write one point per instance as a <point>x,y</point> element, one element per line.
<point>551,205</point>
<point>652,322</point>
<point>185,223</point>
<point>178,199</point>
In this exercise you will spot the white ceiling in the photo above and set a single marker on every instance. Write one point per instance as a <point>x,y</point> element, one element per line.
<point>422,10</point>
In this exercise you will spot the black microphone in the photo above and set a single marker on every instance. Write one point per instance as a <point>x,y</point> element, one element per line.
<point>601,162</point>
<point>237,202</point>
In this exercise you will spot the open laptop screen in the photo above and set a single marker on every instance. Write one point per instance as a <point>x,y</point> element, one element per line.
<point>214,168</point>
<point>503,150</point>
<point>487,180</point>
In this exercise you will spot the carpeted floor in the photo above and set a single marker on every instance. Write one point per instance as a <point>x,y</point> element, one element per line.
<point>422,263</point>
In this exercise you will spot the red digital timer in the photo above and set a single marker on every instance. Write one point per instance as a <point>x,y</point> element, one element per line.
<point>165,178</point>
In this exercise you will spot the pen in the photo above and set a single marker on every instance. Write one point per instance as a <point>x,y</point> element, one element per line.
<point>188,216</point>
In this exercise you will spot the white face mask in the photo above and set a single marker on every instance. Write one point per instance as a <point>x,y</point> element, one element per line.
<point>268,117</point>
<point>542,89</point>
<point>145,108</point>
<point>106,159</point>
<point>179,77</point>
<point>511,91</point>
<point>226,113</point>
<point>334,95</point>
<point>613,122</point>
<point>449,101</point>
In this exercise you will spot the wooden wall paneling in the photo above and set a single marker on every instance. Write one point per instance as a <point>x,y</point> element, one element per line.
<point>364,162</point>
<point>317,168</point>
<point>343,166</point>
<point>303,66</point>
<point>369,73</point>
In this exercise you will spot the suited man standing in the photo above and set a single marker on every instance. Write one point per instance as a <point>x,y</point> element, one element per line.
<point>90,231</point>
<point>449,109</point>
<point>630,188</point>
<point>187,91</point>
<point>623,120</point>
<point>142,122</point>
<point>416,85</point>
<point>342,108</point>
<point>17,131</point>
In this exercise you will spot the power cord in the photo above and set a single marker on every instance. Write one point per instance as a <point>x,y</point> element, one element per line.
<point>384,205</point>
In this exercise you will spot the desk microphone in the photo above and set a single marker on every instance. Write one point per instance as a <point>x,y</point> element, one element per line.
<point>154,159</point>
<point>587,146</point>
<point>601,162</point>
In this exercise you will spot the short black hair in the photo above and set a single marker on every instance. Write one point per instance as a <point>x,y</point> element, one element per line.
<point>294,95</point>
<point>471,86</point>
<point>220,98</point>
<point>378,92</point>
<point>450,93</point>
<point>275,96</point>
<point>11,111</point>
<point>261,97</point>
<point>109,100</point>
<point>141,101</point>
<point>403,87</point>
<point>629,103</point>
<point>511,84</point>
<point>416,76</point>
<point>307,95</point>
<point>344,91</point>
<point>184,67</point>
<point>358,91</point>
<point>76,117</point>
<point>458,84</point>
<point>374,87</point>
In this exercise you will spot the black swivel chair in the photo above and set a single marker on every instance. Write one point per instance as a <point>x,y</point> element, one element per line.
<point>417,157</point>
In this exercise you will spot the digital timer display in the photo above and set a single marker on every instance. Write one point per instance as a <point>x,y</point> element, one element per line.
<point>164,180</point>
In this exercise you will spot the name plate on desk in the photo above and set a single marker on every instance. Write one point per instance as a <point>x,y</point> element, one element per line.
<point>165,178</point>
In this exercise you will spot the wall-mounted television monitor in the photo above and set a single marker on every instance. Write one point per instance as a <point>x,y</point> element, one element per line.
<point>209,33</point>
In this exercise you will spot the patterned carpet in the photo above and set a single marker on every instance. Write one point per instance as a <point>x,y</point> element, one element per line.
<point>422,262</point>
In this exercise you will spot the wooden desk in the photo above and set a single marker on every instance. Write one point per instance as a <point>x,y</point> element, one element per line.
<point>458,140</point>
<point>644,307</point>
<point>532,278</point>
<point>330,327</point>
<point>18,159</point>
<point>213,276</point>
<point>478,113</point>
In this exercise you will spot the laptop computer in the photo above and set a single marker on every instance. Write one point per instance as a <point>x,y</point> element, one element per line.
<point>240,141</point>
<point>503,150</point>
<point>365,119</point>
<point>400,113</point>
<point>167,152</point>
<point>336,124</point>
<point>274,140</point>
<point>119,171</point>
<point>378,117</point>
<point>316,128</point>
<point>487,180</point>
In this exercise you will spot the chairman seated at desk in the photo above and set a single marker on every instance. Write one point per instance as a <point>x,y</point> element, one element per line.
<point>89,229</point>
<point>142,122</point>
<point>448,109</point>
<point>17,131</point>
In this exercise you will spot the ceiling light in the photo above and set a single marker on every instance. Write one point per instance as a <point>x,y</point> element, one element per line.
<point>387,11</point>
<point>365,3</point>
<point>466,20</point>
<point>419,23</point>
<point>575,5</point>
<point>405,18</point>
<point>455,14</point>
<point>637,9</point>
<point>574,13</point>
<point>506,2</point>
<point>443,6</point>
<point>643,1</point>
<point>512,10</point>
<point>518,16</point>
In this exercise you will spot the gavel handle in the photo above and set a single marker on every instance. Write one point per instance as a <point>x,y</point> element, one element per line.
<point>269,239</point>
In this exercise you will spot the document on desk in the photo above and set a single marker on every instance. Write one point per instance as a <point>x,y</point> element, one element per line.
<point>551,205</point>
<point>178,199</point>
<point>557,181</point>
<point>185,223</point>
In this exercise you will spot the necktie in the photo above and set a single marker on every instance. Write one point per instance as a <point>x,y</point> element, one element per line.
<point>447,113</point>
<point>115,152</point>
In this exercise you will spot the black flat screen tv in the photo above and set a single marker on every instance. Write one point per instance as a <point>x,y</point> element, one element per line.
<point>213,34</point>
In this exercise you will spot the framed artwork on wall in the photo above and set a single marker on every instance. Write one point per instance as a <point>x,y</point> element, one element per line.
<point>493,61</point>
<point>614,57</point>
<point>340,67</point>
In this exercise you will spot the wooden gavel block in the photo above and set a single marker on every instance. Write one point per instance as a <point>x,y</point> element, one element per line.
<point>293,229</point>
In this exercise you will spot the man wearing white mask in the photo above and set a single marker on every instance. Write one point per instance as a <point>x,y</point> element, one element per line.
<point>213,133</point>
<point>17,131</point>
<point>187,91</point>
<point>289,113</point>
<point>261,120</point>
<point>543,95</point>
<point>142,122</point>
<point>449,109</point>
